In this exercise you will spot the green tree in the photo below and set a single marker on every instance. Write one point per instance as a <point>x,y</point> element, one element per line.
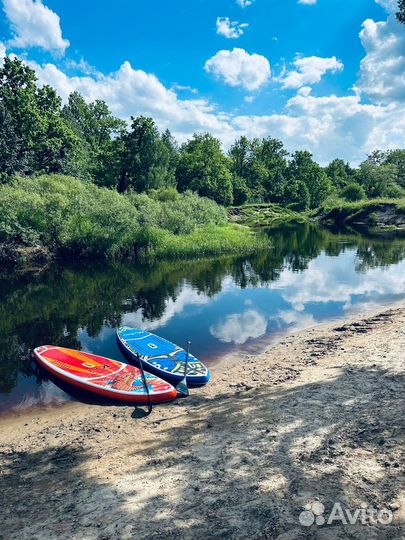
<point>303,167</point>
<point>171,150</point>
<point>377,157</point>
<point>54,142</point>
<point>296,195</point>
<point>204,168</point>
<point>241,191</point>
<point>95,127</point>
<point>240,155</point>
<point>10,145</point>
<point>339,173</point>
<point>272,155</point>
<point>41,140</point>
<point>397,158</point>
<point>376,179</point>
<point>353,192</point>
<point>92,122</point>
<point>262,165</point>
<point>246,167</point>
<point>146,157</point>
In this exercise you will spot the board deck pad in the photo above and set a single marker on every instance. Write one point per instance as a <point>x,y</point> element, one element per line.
<point>95,372</point>
<point>160,354</point>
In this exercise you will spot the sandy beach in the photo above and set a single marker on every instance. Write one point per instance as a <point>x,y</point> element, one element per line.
<point>317,418</point>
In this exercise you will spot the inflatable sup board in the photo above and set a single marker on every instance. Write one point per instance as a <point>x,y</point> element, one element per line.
<point>102,376</point>
<point>161,357</point>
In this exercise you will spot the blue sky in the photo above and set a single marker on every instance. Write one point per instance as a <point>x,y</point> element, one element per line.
<point>324,75</point>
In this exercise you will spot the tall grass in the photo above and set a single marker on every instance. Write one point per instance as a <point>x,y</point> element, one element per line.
<point>71,218</point>
<point>207,241</point>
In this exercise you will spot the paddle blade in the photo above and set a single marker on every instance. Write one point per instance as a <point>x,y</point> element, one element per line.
<point>182,388</point>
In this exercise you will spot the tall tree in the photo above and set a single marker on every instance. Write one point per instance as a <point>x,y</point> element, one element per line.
<point>377,180</point>
<point>397,158</point>
<point>240,155</point>
<point>10,145</point>
<point>262,165</point>
<point>204,168</point>
<point>272,155</point>
<point>296,194</point>
<point>147,158</point>
<point>95,127</point>
<point>302,167</point>
<point>41,140</point>
<point>339,173</point>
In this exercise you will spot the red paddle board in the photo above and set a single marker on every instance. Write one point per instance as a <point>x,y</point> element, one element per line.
<point>102,376</point>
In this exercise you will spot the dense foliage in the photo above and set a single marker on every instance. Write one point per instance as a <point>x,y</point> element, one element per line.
<point>40,136</point>
<point>353,192</point>
<point>56,214</point>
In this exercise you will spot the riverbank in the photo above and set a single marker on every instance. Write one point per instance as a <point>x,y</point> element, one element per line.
<point>369,214</point>
<point>61,217</point>
<point>317,416</point>
<point>372,214</point>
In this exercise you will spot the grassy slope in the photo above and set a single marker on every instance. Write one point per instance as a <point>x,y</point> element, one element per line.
<point>373,212</point>
<point>210,240</point>
<point>265,215</point>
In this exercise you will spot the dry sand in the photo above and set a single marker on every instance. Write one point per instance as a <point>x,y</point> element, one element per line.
<point>320,416</point>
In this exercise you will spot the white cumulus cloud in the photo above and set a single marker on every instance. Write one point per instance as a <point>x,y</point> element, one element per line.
<point>230,29</point>
<point>2,52</point>
<point>239,327</point>
<point>239,68</point>
<point>389,5</point>
<point>307,2</point>
<point>34,25</point>
<point>244,3</point>
<point>130,91</point>
<point>382,70</point>
<point>330,126</point>
<point>309,70</point>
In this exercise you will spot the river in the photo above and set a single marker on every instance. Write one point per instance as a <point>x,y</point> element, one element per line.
<point>310,275</point>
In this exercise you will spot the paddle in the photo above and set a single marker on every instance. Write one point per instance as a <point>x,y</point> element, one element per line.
<point>145,384</point>
<point>182,387</point>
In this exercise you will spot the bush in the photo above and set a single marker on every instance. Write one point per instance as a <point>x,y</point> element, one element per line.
<point>353,192</point>
<point>394,191</point>
<point>164,194</point>
<point>180,216</point>
<point>70,217</point>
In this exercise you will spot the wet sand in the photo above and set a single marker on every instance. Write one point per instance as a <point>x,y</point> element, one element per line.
<point>317,417</point>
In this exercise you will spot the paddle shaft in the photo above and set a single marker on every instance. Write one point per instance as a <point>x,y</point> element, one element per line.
<point>145,383</point>
<point>186,362</point>
<point>182,387</point>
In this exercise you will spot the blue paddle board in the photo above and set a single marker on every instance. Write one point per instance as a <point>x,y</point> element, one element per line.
<point>161,357</point>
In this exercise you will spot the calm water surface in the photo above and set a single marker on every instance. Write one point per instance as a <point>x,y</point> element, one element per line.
<point>309,276</point>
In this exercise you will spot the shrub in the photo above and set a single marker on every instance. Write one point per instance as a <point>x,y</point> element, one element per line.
<point>72,217</point>
<point>353,192</point>
<point>394,191</point>
<point>164,194</point>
